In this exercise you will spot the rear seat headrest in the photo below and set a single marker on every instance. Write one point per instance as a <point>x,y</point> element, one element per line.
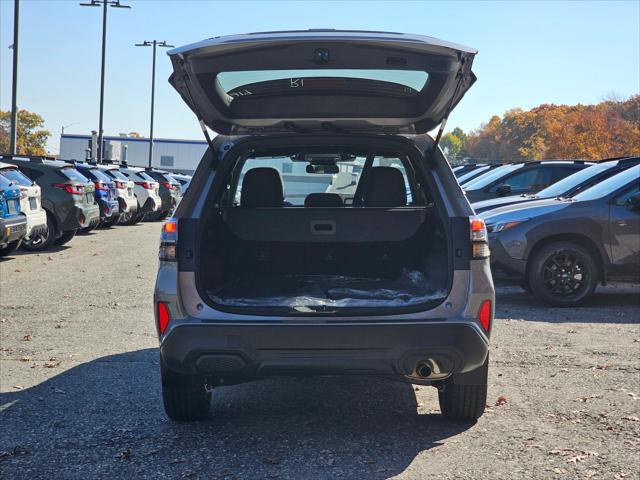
<point>323,200</point>
<point>262,187</point>
<point>386,188</point>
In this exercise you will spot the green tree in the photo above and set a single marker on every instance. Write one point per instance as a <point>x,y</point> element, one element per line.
<point>451,144</point>
<point>32,138</point>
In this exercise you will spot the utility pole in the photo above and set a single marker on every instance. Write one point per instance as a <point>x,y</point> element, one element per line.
<point>154,44</point>
<point>14,82</point>
<point>104,3</point>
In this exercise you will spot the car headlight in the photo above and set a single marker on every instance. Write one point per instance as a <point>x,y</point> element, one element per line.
<point>501,226</point>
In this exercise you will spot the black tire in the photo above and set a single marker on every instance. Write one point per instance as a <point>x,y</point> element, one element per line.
<point>184,396</point>
<point>563,274</point>
<point>155,216</point>
<point>9,248</point>
<point>464,403</point>
<point>66,237</point>
<point>44,240</point>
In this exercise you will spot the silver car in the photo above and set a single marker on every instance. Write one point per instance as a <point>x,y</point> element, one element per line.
<point>265,271</point>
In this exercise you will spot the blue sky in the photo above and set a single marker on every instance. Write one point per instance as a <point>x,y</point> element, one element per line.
<point>529,53</point>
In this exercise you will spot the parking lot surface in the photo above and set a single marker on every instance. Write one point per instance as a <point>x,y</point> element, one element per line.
<point>80,390</point>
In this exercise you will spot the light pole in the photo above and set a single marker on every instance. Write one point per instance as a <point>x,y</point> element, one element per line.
<point>67,126</point>
<point>154,44</point>
<point>14,82</point>
<point>104,3</point>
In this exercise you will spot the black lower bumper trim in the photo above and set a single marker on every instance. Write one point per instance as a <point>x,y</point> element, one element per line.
<point>270,350</point>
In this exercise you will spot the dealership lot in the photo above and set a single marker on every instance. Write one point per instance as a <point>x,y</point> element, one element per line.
<point>80,390</point>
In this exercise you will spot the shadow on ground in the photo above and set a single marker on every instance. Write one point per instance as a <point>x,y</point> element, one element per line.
<point>104,419</point>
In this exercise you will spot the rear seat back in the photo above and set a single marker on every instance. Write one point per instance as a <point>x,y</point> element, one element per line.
<point>262,187</point>
<point>386,188</point>
<point>323,200</point>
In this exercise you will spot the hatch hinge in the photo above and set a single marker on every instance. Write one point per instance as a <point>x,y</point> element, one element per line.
<point>463,76</point>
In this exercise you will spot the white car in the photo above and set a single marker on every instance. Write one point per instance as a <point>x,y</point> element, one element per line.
<point>30,200</point>
<point>146,189</point>
<point>129,208</point>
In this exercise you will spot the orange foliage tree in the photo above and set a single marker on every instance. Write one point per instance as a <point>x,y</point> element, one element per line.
<point>608,129</point>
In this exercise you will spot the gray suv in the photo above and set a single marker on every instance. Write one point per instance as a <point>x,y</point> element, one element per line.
<point>265,272</point>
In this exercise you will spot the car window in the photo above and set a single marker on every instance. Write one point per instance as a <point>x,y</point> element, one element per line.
<point>16,176</point>
<point>100,175</point>
<point>466,176</point>
<point>298,183</point>
<point>489,177</point>
<point>622,199</point>
<point>117,174</point>
<point>73,174</point>
<point>146,176</point>
<point>31,173</point>
<point>610,185</point>
<point>560,172</point>
<point>568,183</point>
<point>519,180</point>
<point>4,182</point>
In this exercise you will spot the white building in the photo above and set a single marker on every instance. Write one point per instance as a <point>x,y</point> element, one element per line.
<point>168,154</point>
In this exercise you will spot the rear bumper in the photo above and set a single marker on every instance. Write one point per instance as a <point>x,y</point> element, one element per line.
<point>36,222</point>
<point>15,228</point>
<point>254,351</point>
<point>109,209</point>
<point>128,204</point>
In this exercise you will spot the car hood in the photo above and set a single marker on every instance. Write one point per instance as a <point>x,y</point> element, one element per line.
<point>499,202</point>
<point>524,211</point>
<point>322,80</point>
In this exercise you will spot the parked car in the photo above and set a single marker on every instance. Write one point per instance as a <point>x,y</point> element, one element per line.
<point>106,195</point>
<point>567,187</point>
<point>476,172</point>
<point>146,190</point>
<point>125,188</point>
<point>12,221</point>
<point>184,180</point>
<point>284,279</point>
<point>561,248</point>
<point>67,199</point>
<point>30,200</point>
<point>459,170</point>
<point>519,178</point>
<point>170,192</point>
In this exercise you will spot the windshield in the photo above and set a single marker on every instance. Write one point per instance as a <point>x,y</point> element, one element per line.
<point>610,185</point>
<point>100,175</point>
<point>74,175</point>
<point>16,176</point>
<point>489,177</point>
<point>568,183</point>
<point>465,177</point>
<point>117,174</point>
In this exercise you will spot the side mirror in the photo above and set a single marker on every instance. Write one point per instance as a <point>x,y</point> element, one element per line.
<point>633,203</point>
<point>503,190</point>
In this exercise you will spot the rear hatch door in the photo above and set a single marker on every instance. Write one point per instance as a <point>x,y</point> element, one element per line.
<point>351,81</point>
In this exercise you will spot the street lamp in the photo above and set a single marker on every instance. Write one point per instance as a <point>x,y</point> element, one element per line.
<point>70,125</point>
<point>104,3</point>
<point>154,44</point>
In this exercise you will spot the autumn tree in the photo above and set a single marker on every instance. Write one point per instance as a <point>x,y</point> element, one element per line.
<point>32,138</point>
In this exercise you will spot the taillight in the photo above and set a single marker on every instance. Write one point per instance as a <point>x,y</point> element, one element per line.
<point>168,185</point>
<point>168,241</point>
<point>101,186</point>
<point>72,189</point>
<point>484,315</point>
<point>23,193</point>
<point>146,185</point>
<point>479,239</point>
<point>119,184</point>
<point>163,317</point>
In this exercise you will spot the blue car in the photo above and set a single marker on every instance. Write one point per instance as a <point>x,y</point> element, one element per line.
<point>13,223</point>
<point>106,194</point>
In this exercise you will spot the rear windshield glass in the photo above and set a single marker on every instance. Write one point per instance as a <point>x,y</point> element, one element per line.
<point>489,177</point>
<point>568,183</point>
<point>146,176</point>
<point>399,83</point>
<point>298,182</point>
<point>609,185</point>
<point>117,174</point>
<point>100,175</point>
<point>17,177</point>
<point>74,175</point>
<point>4,182</point>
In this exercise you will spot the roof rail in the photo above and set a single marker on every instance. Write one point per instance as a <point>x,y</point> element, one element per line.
<point>31,158</point>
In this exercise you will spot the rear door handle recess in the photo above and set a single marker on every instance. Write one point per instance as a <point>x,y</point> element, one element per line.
<point>323,227</point>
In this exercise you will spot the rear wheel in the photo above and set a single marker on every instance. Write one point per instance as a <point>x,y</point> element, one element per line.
<point>563,274</point>
<point>44,239</point>
<point>462,402</point>
<point>9,248</point>
<point>66,237</point>
<point>184,396</point>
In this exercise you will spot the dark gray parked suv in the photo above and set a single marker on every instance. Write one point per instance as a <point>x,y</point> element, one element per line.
<point>264,271</point>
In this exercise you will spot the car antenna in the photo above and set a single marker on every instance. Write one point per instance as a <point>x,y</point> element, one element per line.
<point>463,76</point>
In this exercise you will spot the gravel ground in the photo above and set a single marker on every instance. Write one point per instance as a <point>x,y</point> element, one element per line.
<point>80,390</point>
